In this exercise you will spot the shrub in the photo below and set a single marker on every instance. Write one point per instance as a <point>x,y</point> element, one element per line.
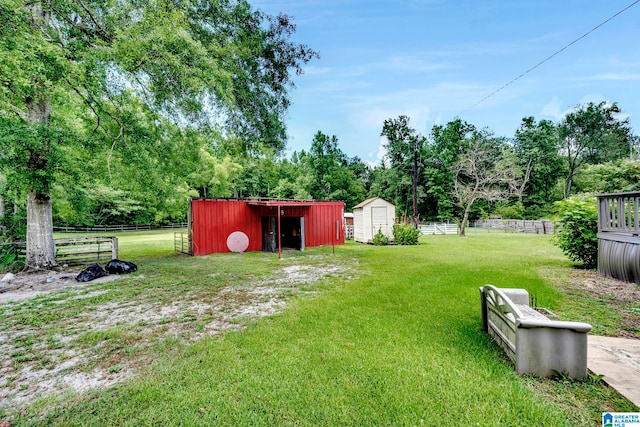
<point>514,211</point>
<point>405,234</point>
<point>578,235</point>
<point>380,239</point>
<point>13,226</point>
<point>10,259</point>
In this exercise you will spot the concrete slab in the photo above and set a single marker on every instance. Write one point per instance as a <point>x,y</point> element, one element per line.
<point>618,359</point>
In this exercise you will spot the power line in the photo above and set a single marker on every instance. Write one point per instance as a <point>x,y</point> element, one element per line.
<point>550,56</point>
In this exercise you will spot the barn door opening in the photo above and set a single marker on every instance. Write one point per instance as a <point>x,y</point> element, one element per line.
<point>292,232</point>
<point>269,234</point>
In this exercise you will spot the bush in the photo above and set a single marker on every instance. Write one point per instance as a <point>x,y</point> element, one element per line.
<point>13,226</point>
<point>578,235</point>
<point>380,239</point>
<point>10,259</point>
<point>514,211</point>
<point>406,234</point>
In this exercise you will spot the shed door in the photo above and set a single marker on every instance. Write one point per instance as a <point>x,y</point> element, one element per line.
<point>379,219</point>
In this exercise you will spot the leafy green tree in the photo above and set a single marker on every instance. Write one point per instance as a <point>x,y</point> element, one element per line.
<point>593,134</point>
<point>446,144</point>
<point>537,147</point>
<point>214,177</point>
<point>610,177</point>
<point>405,148</point>
<point>332,177</point>
<point>509,211</point>
<point>361,170</point>
<point>218,61</point>
<point>295,178</point>
<point>259,175</point>
<point>388,184</point>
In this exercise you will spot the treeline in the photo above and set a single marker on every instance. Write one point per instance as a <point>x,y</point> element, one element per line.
<point>461,171</point>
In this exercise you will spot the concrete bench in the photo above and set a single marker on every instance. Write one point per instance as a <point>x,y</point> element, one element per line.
<point>536,344</point>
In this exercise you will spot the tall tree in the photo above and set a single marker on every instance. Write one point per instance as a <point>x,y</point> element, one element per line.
<point>295,178</point>
<point>537,147</point>
<point>446,145</point>
<point>483,173</point>
<point>593,134</point>
<point>193,62</point>
<point>332,178</point>
<point>391,185</point>
<point>404,149</point>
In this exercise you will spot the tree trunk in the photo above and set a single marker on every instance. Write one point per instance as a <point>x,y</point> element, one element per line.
<point>1,208</point>
<point>465,218</point>
<point>40,245</point>
<point>567,186</point>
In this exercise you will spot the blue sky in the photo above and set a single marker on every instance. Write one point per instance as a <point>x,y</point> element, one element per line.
<point>434,59</point>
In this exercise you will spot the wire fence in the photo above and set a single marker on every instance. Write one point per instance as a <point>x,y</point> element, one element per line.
<point>540,226</point>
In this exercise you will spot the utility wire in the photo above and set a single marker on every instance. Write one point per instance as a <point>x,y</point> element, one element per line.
<point>550,56</point>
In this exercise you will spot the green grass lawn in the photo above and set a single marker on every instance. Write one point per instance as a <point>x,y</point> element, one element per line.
<point>137,244</point>
<point>396,342</point>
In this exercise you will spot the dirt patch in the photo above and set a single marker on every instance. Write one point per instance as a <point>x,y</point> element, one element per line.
<point>621,297</point>
<point>29,285</point>
<point>616,291</point>
<point>80,336</point>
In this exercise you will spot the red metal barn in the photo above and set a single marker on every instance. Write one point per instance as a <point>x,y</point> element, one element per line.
<point>263,225</point>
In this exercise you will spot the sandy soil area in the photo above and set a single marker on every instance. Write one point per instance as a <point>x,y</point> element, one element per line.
<point>29,285</point>
<point>56,357</point>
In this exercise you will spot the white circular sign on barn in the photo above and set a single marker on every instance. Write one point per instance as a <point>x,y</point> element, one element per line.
<point>237,241</point>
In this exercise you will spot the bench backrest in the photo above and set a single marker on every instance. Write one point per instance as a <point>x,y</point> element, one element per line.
<point>500,313</point>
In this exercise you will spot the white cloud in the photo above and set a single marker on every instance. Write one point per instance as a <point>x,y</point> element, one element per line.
<point>413,64</point>
<point>592,97</point>
<point>382,149</point>
<point>553,109</point>
<point>615,77</point>
<point>314,71</point>
<point>380,155</point>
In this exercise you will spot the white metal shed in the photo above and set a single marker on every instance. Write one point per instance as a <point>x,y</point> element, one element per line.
<point>370,216</point>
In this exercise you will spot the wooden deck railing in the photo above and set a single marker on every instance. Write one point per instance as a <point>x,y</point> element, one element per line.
<point>618,213</point>
<point>619,236</point>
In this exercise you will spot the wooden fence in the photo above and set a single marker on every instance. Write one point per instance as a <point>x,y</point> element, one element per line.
<point>111,228</point>
<point>348,231</point>
<point>540,226</point>
<point>76,251</point>
<point>83,250</point>
<point>433,228</point>
<point>619,236</point>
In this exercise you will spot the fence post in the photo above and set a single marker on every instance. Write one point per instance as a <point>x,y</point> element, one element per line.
<point>114,248</point>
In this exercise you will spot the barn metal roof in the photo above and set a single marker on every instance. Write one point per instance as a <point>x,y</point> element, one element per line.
<point>272,202</point>
<point>298,203</point>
